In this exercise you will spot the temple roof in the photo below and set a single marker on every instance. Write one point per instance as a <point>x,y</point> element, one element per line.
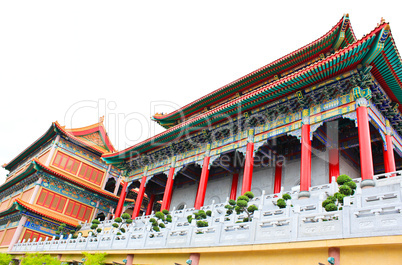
<point>20,205</point>
<point>36,165</point>
<point>364,51</point>
<point>340,36</point>
<point>93,137</point>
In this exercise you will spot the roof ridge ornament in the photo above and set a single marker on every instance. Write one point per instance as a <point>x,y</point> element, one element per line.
<point>342,30</point>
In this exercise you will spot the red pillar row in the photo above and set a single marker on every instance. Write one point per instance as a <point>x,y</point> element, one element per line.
<point>389,159</point>
<point>140,197</point>
<point>202,187</point>
<point>167,196</point>
<point>150,204</point>
<point>233,190</point>
<point>366,158</point>
<point>278,177</point>
<point>248,168</point>
<point>122,198</point>
<point>305,166</point>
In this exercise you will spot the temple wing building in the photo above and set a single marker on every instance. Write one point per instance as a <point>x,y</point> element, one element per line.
<point>60,178</point>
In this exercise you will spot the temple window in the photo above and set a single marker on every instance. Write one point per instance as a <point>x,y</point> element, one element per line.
<point>33,236</point>
<point>73,166</point>
<point>66,163</point>
<point>51,200</point>
<point>78,210</point>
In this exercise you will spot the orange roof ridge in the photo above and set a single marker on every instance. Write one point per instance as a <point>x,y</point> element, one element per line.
<point>166,115</point>
<point>81,140</point>
<point>47,213</point>
<point>93,128</point>
<point>98,190</point>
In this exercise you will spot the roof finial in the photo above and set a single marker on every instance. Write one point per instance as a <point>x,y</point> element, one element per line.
<point>101,119</point>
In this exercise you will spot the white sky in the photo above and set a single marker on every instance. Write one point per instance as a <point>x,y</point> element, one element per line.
<point>59,58</point>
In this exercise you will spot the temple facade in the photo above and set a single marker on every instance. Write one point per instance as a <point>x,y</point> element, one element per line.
<point>292,127</point>
<point>327,109</point>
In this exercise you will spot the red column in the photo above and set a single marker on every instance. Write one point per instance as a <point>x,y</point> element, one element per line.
<point>366,158</point>
<point>150,204</point>
<point>233,190</point>
<point>202,187</point>
<point>333,149</point>
<point>248,168</point>
<point>333,157</point>
<point>140,196</point>
<point>278,177</point>
<point>305,166</point>
<point>122,198</point>
<point>389,160</point>
<point>167,196</point>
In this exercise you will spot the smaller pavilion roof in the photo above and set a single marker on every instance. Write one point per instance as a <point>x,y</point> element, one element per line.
<point>93,137</point>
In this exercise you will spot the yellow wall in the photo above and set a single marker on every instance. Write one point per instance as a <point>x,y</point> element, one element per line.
<point>371,255</point>
<point>353,251</point>
<point>282,257</point>
<point>163,259</point>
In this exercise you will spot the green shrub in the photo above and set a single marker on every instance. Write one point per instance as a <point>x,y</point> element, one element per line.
<point>160,215</point>
<point>122,230</point>
<point>5,259</point>
<point>249,194</point>
<point>281,203</point>
<point>345,190</point>
<point>189,218</point>
<point>156,228</point>
<point>286,197</point>
<point>95,221</point>
<point>252,208</point>
<point>340,196</point>
<point>202,223</point>
<point>129,221</point>
<point>99,230</point>
<point>94,226</point>
<point>38,258</point>
<point>169,218</point>
<point>342,179</point>
<point>125,216</point>
<point>118,220</point>
<point>162,225</point>
<point>331,207</point>
<point>94,259</point>
<point>245,220</point>
<point>152,220</point>
<point>243,198</point>
<point>165,212</point>
<point>351,184</point>
<point>232,202</point>
<point>326,202</point>
<point>115,225</point>
<point>241,203</point>
<point>209,213</point>
<point>332,198</point>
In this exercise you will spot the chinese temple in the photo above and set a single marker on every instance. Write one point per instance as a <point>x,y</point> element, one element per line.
<point>330,108</point>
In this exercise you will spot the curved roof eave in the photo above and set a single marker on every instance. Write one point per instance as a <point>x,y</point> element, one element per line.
<point>171,117</point>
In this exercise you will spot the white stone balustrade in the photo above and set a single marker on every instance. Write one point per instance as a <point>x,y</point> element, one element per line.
<point>370,212</point>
